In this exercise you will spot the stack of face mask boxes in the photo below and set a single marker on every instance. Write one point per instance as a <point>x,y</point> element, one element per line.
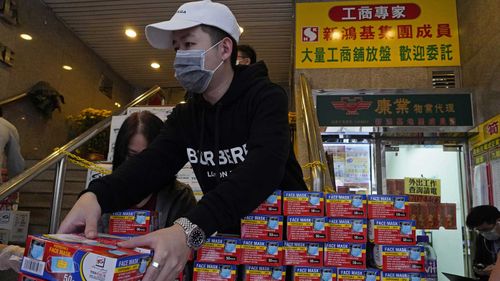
<point>393,239</point>
<point>64,257</point>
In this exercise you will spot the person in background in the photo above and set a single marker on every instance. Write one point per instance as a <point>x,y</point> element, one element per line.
<point>136,133</point>
<point>485,220</point>
<point>10,156</point>
<point>234,132</point>
<point>246,55</point>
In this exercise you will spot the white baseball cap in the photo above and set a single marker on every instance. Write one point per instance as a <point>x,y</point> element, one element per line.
<point>191,14</point>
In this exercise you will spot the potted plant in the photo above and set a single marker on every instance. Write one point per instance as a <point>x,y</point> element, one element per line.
<point>97,147</point>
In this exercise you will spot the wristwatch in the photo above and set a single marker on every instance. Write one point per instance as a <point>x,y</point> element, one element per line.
<point>195,236</point>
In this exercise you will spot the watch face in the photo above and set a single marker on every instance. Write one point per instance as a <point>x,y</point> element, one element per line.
<point>196,238</point>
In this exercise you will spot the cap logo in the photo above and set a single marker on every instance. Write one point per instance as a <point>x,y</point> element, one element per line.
<point>181,11</point>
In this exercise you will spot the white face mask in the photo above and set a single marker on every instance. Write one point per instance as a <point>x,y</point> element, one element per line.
<point>491,235</point>
<point>190,69</point>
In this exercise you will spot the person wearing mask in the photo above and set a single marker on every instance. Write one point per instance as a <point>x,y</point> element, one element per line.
<point>485,220</point>
<point>10,156</point>
<point>175,198</point>
<point>246,55</point>
<point>234,132</point>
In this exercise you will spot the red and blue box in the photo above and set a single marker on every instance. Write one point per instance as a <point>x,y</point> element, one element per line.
<point>349,274</point>
<point>214,272</point>
<point>388,207</point>
<point>346,205</point>
<point>272,205</point>
<point>312,229</point>
<point>264,273</point>
<point>220,250</point>
<point>347,230</point>
<point>340,254</point>
<point>391,258</point>
<point>301,273</point>
<point>303,253</point>
<point>402,276</point>
<point>392,232</point>
<point>262,227</point>
<point>259,252</point>
<point>301,203</point>
<point>133,222</point>
<point>65,257</point>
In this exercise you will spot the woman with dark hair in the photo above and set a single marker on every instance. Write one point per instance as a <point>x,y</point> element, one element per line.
<point>135,134</point>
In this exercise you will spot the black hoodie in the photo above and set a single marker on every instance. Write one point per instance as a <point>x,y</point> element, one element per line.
<point>239,149</point>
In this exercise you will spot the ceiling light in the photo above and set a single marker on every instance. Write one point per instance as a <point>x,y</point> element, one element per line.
<point>241,29</point>
<point>155,65</point>
<point>26,36</point>
<point>130,33</point>
<point>117,104</point>
<point>67,67</point>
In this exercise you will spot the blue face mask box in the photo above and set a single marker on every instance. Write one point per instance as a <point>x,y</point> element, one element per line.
<point>388,207</point>
<point>214,272</point>
<point>264,273</point>
<point>348,230</point>
<point>262,227</point>
<point>392,232</point>
<point>62,256</point>
<point>303,253</point>
<point>399,258</point>
<point>402,276</point>
<point>301,273</point>
<point>340,254</point>
<point>133,222</point>
<point>301,203</point>
<point>347,274</point>
<point>346,206</point>
<point>218,249</point>
<point>312,229</point>
<point>267,253</point>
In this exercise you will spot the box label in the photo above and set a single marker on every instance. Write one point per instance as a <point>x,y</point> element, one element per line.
<point>268,253</point>
<point>392,232</point>
<point>264,273</point>
<point>214,272</point>
<point>304,253</point>
<point>262,227</point>
<point>388,207</point>
<point>346,205</point>
<point>133,222</point>
<point>348,230</point>
<point>220,250</point>
<point>350,255</point>
<point>312,229</point>
<point>314,273</point>
<point>400,258</point>
<point>303,203</point>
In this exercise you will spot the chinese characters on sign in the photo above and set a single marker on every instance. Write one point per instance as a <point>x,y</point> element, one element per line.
<point>422,186</point>
<point>339,34</point>
<point>394,110</point>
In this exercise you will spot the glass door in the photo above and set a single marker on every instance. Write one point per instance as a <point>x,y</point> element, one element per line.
<point>447,165</point>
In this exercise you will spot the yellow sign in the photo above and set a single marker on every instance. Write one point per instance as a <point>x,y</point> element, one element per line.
<point>423,186</point>
<point>381,33</point>
<point>487,131</point>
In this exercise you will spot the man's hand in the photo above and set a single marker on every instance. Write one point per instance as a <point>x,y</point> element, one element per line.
<point>83,216</point>
<point>10,258</point>
<point>170,252</point>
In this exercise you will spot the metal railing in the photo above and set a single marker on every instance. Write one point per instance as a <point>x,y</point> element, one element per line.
<point>18,182</point>
<point>310,128</point>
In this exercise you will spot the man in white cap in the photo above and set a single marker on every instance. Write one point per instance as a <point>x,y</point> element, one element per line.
<point>233,131</point>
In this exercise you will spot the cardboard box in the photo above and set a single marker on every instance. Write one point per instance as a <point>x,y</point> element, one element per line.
<point>272,205</point>
<point>351,255</point>
<point>348,230</point>
<point>314,273</point>
<point>399,258</point>
<point>65,257</point>
<point>214,272</point>
<point>346,205</point>
<point>303,253</point>
<point>300,203</point>
<point>392,232</point>
<point>133,222</point>
<point>402,276</point>
<point>25,277</point>
<point>388,207</point>
<point>17,222</point>
<point>220,250</point>
<point>347,274</point>
<point>264,273</point>
<point>262,227</point>
<point>267,253</point>
<point>311,229</point>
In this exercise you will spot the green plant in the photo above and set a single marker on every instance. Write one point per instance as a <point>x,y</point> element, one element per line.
<point>45,98</point>
<point>80,123</point>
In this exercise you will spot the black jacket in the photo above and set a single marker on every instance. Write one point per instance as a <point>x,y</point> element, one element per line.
<point>239,149</point>
<point>484,253</point>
